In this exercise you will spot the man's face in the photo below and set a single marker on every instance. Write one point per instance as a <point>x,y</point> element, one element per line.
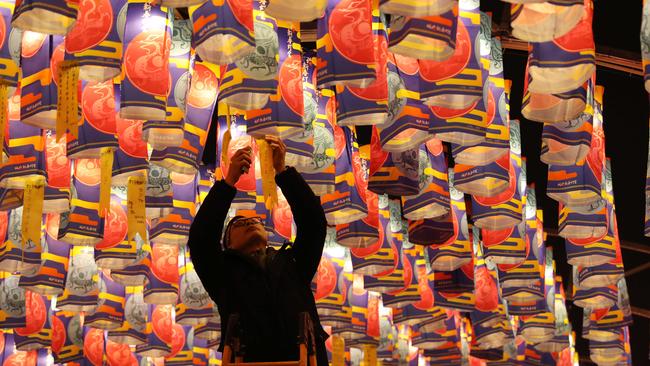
<point>247,234</point>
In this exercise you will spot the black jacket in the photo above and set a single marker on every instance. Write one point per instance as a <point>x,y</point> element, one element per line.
<point>268,300</point>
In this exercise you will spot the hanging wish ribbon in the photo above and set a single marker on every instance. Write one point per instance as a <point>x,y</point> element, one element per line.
<point>136,210</point>
<point>338,351</point>
<point>4,113</point>
<point>370,355</point>
<point>67,101</point>
<point>30,230</point>
<point>226,137</point>
<point>269,188</point>
<point>106,165</point>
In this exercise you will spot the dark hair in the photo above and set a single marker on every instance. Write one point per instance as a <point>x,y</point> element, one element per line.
<point>226,231</point>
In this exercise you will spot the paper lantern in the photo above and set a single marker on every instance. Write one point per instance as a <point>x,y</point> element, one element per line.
<point>159,332</point>
<point>497,134</point>
<point>452,245</point>
<point>161,287</point>
<point>248,82</point>
<point>347,203</point>
<point>11,356</point>
<point>416,8</point>
<point>484,181</point>
<point>192,293</point>
<point>67,336</point>
<point>320,173</point>
<point>282,115</point>
<point>412,260</point>
<point>223,31</point>
<point>393,173</point>
<point>367,105</point>
<point>110,306</point>
<point>430,37</point>
<point>14,256</point>
<point>119,354</point>
<point>12,301</point>
<point>379,257</point>
<point>24,146</point>
<point>136,273</point>
<point>455,289</point>
<point>300,148</point>
<point>97,128</point>
<point>295,10</point>
<point>364,232</point>
<point>567,143</point>
<point>565,63</point>
<point>131,157</point>
<point>159,199</point>
<point>358,300</point>
<point>433,199</point>
<point>9,48</point>
<point>331,285</point>
<point>505,209</point>
<point>147,41</point>
<point>182,346</point>
<point>51,276</point>
<point>37,332</point>
<point>82,283</point>
<point>115,251</point>
<point>345,44</point>
<point>245,197</point>
<point>421,313</point>
<point>45,16</point>
<point>184,158</point>
<point>134,325</point>
<point>94,346</point>
<point>169,131</point>
<point>545,21</point>
<point>95,39</point>
<point>173,229</point>
<point>407,125</point>
<point>456,83</point>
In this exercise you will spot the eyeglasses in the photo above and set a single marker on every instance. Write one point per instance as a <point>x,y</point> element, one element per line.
<point>247,221</point>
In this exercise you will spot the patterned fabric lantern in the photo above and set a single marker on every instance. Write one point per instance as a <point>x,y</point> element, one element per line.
<point>455,84</point>
<point>136,272</point>
<point>431,37</point>
<point>367,105</point>
<point>169,131</point>
<point>249,81</point>
<point>223,31</point>
<point>12,356</point>
<point>12,301</point>
<point>133,327</point>
<point>497,135</point>
<point>67,337</point>
<point>565,63</point>
<point>110,307</point>
<point>553,108</point>
<point>37,332</point>
<point>82,283</point>
<point>9,49</point>
<point>147,42</point>
<point>412,260</point>
<point>162,280</point>
<point>455,289</point>
<point>282,115</point>
<point>545,21</point>
<point>115,251</point>
<point>95,39</point>
<point>345,46</point>
<point>98,125</point>
<point>173,229</point>
<point>433,199</point>
<point>395,173</point>
<point>159,332</point>
<point>184,158</point>
<point>320,173</point>
<point>567,143</point>
<point>182,346</point>
<point>51,276</point>
<point>297,11</point>
<point>331,285</point>
<point>364,232</point>
<point>416,8</point>
<point>347,203</point>
<point>407,125</point>
<point>94,346</point>
<point>45,16</point>
<point>131,158</point>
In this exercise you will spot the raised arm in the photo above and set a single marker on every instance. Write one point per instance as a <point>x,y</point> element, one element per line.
<point>308,214</point>
<point>205,232</point>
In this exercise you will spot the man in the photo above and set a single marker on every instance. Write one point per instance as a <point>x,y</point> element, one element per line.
<point>268,288</point>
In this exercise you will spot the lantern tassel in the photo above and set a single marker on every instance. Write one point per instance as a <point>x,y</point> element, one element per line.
<point>269,188</point>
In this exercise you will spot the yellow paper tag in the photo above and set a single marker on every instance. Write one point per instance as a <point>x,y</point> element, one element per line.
<point>136,209</point>
<point>225,141</point>
<point>4,113</point>
<point>106,165</point>
<point>32,213</point>
<point>61,110</point>
<point>370,355</point>
<point>72,121</point>
<point>338,351</point>
<point>268,174</point>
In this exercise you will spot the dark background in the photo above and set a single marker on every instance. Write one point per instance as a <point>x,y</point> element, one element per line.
<point>616,31</point>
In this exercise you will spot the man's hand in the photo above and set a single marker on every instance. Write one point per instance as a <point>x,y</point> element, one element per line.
<point>279,150</point>
<point>239,164</point>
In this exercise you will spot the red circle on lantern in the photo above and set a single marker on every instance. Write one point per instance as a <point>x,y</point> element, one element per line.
<point>58,334</point>
<point>325,279</point>
<point>242,10</point>
<point>36,314</point>
<point>118,354</point>
<point>178,340</point>
<point>433,71</point>
<point>94,346</point>
<point>290,81</point>
<point>350,28</point>
<point>88,171</point>
<point>204,87</point>
<point>161,322</point>
<point>164,263</point>
<point>98,105</point>
<point>94,23</point>
<point>129,136</point>
<point>115,227</point>
<point>146,62</point>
